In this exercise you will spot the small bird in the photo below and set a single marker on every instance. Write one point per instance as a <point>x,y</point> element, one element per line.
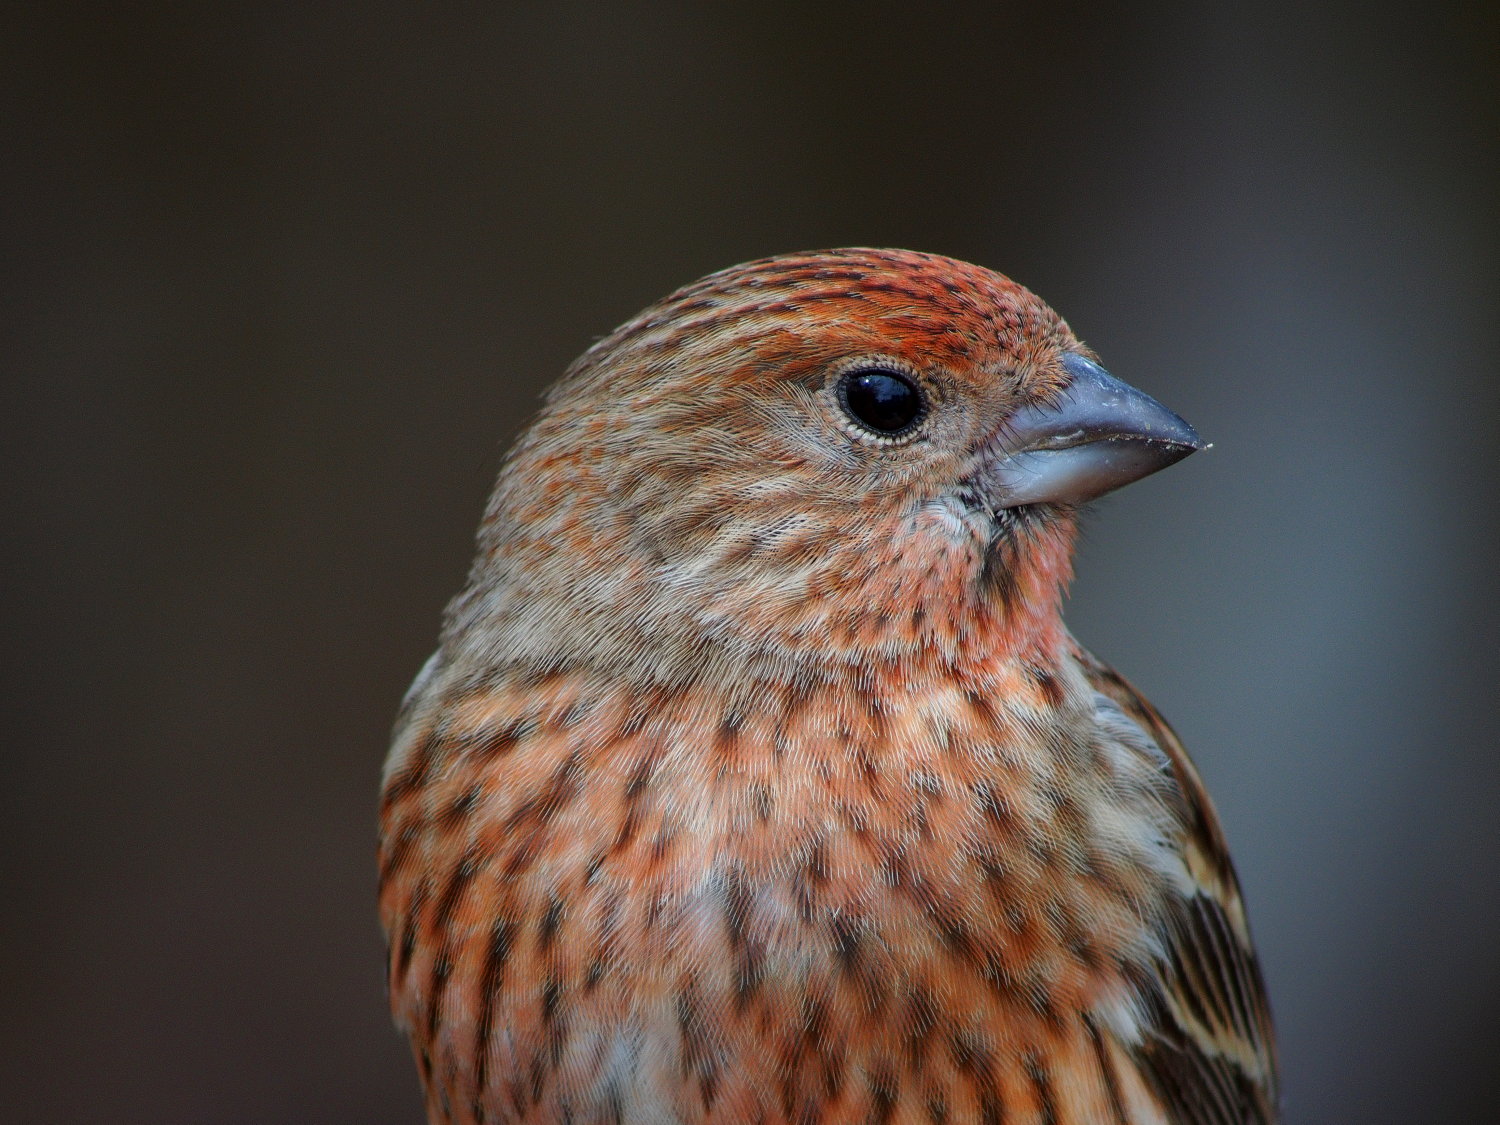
<point>756,779</point>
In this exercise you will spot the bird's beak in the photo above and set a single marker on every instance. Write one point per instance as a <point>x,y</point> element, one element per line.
<point>1099,435</point>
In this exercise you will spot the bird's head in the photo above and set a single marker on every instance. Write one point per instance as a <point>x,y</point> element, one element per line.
<point>807,461</point>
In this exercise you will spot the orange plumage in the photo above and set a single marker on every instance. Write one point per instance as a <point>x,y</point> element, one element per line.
<point>756,778</point>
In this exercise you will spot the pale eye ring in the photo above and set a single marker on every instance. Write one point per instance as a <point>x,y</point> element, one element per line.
<point>886,403</point>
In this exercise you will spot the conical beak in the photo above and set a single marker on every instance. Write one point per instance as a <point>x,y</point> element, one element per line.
<point>1099,435</point>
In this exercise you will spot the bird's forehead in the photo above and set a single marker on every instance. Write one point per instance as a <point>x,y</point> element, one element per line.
<point>796,317</point>
<point>931,306</point>
<point>882,277</point>
<point>920,307</point>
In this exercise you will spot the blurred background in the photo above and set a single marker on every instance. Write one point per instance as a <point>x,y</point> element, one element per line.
<point>280,281</point>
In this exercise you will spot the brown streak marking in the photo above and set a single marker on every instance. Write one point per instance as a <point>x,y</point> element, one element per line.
<point>502,934</point>
<point>1106,1071</point>
<point>1079,941</point>
<point>592,868</point>
<point>761,800</point>
<point>1046,683</point>
<point>643,773</point>
<point>461,806</point>
<point>921,1017</point>
<point>971,1056</point>
<point>503,741</point>
<point>661,844</point>
<point>883,1094</point>
<point>593,975</point>
<point>442,967</point>
<point>538,1075</point>
<point>816,1045</point>
<point>816,863</point>
<point>998,974</point>
<point>996,878</point>
<point>726,741</point>
<point>1039,995</point>
<point>984,709</point>
<point>628,828</point>
<point>697,1055</point>
<point>410,924</point>
<point>394,856</point>
<point>522,852</point>
<point>749,964</point>
<point>1041,1081</point>
<point>846,943</point>
<point>541,808</point>
<point>637,719</point>
<point>414,775</point>
<point>869,772</point>
<point>998,577</point>
<point>551,917</point>
<point>957,937</point>
<point>552,1019</point>
<point>458,881</point>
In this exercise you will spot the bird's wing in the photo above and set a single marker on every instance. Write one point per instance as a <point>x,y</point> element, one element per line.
<point>1209,1052</point>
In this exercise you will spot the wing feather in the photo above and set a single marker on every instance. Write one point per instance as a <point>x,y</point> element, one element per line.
<point>1209,1049</point>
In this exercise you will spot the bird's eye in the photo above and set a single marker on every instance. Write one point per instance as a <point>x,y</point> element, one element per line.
<point>884,402</point>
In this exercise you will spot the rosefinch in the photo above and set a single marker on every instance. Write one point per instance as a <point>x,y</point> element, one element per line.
<point>757,780</point>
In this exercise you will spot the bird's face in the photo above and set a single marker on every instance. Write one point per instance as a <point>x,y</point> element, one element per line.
<point>780,447</point>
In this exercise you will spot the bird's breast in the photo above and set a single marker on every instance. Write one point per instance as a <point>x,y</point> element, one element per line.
<point>731,907</point>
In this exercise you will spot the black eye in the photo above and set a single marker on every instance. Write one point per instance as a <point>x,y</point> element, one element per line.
<point>883,401</point>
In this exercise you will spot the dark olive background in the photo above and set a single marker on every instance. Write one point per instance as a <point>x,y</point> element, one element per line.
<point>280,281</point>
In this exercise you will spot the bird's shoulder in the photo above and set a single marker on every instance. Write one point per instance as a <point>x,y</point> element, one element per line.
<point>1206,1044</point>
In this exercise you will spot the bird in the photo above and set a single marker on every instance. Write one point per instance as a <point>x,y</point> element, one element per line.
<point>756,778</point>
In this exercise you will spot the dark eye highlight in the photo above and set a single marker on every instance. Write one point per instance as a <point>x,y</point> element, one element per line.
<point>886,403</point>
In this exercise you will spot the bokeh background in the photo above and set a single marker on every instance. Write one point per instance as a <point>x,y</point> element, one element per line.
<point>280,280</point>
